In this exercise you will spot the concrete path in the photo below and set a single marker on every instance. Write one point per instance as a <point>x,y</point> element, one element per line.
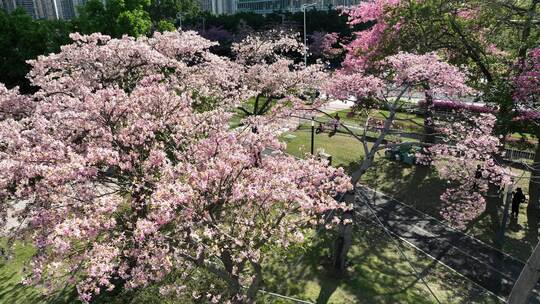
<point>337,105</point>
<point>11,220</point>
<point>486,266</point>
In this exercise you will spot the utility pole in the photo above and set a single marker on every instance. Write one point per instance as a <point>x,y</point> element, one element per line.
<point>304,6</point>
<point>527,279</point>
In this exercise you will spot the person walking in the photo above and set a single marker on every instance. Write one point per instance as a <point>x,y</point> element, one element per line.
<point>335,124</point>
<point>518,198</point>
<point>477,177</point>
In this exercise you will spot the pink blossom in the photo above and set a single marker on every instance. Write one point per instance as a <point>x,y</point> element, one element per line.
<point>128,169</point>
<point>527,83</point>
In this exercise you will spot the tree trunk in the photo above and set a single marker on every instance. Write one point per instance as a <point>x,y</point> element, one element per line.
<point>525,34</point>
<point>342,245</point>
<point>255,283</point>
<point>534,185</point>
<point>527,279</point>
<point>429,125</point>
<point>344,240</point>
<point>256,105</point>
<point>507,200</point>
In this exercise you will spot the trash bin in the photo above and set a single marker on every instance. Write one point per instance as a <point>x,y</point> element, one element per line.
<point>326,156</point>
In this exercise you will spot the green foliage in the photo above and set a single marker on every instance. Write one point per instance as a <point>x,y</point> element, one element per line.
<point>165,26</point>
<point>327,21</point>
<point>167,9</point>
<point>93,18</point>
<point>134,22</point>
<point>22,39</point>
<point>132,17</point>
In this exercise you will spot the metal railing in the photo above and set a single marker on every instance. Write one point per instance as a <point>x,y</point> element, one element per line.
<point>512,154</point>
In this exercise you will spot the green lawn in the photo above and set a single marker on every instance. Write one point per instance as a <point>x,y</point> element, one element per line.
<point>345,151</point>
<point>12,291</point>
<point>421,188</point>
<point>377,273</point>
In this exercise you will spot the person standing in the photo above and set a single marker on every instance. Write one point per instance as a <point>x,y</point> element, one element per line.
<point>518,198</point>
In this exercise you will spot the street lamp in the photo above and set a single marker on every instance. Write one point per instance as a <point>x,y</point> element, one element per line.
<point>282,19</point>
<point>312,134</point>
<point>203,23</point>
<point>179,17</point>
<point>304,6</point>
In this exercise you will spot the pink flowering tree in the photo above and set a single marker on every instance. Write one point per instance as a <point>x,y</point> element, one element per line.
<point>129,174</point>
<point>461,149</point>
<point>526,97</point>
<point>471,34</point>
<point>273,73</point>
<point>324,45</point>
<point>471,143</point>
<point>527,82</point>
<point>368,44</point>
<point>381,40</point>
<point>467,145</point>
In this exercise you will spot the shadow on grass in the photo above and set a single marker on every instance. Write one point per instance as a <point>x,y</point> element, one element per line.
<point>15,293</point>
<point>12,290</point>
<point>376,272</point>
<point>417,186</point>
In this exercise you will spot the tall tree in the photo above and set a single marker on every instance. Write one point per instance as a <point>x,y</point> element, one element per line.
<point>130,174</point>
<point>273,71</point>
<point>466,141</point>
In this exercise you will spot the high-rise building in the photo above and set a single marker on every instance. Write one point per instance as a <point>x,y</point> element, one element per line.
<point>219,7</point>
<point>28,6</point>
<point>44,9</point>
<point>8,5</point>
<point>205,5</point>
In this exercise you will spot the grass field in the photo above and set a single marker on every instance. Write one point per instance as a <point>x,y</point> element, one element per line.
<point>421,188</point>
<point>377,273</point>
<point>12,291</point>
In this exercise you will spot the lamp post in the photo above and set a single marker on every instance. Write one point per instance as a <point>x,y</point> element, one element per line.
<point>179,17</point>
<point>203,23</point>
<point>282,19</point>
<point>304,6</point>
<point>312,134</point>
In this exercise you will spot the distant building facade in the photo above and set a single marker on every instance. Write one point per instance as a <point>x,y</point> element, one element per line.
<point>8,5</point>
<point>27,5</point>
<point>44,9</point>
<point>220,7</point>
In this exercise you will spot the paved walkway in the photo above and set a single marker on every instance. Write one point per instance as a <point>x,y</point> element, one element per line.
<point>337,105</point>
<point>477,261</point>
